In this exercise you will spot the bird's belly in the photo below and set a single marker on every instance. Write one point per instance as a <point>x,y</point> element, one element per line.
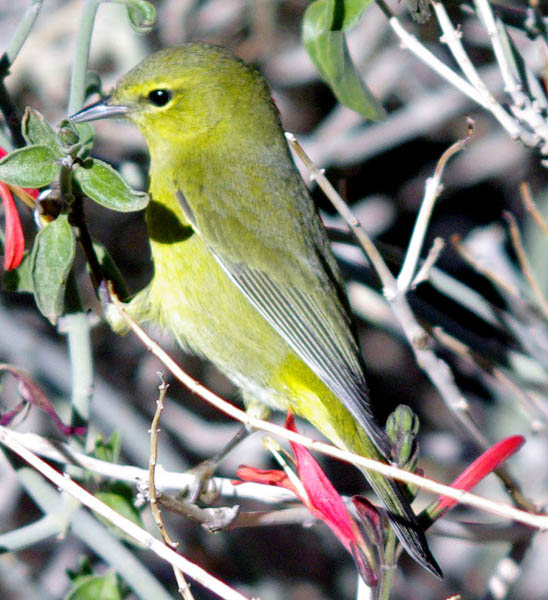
<point>198,303</point>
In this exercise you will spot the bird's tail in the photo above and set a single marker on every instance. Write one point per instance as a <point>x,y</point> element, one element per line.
<point>403,520</point>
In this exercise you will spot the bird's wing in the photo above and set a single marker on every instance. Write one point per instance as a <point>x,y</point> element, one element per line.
<point>278,255</point>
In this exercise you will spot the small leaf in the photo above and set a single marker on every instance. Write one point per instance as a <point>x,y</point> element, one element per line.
<point>36,130</point>
<point>119,497</point>
<point>142,15</point>
<point>51,260</point>
<point>96,587</point>
<point>19,280</point>
<point>326,45</point>
<point>102,183</point>
<point>31,166</point>
<point>110,449</point>
<point>76,139</point>
<point>121,504</point>
<point>347,13</point>
<point>87,136</point>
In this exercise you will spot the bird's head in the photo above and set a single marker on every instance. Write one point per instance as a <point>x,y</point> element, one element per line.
<point>180,93</point>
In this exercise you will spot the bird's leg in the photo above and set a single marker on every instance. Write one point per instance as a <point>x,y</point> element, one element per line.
<point>204,471</point>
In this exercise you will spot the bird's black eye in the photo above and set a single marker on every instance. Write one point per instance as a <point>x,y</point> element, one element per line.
<point>159,97</point>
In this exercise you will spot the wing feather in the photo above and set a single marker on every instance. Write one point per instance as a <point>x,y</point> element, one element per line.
<point>300,296</point>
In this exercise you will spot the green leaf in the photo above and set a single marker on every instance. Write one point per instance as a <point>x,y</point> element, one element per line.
<point>110,449</point>
<point>96,587</point>
<point>31,166</point>
<point>51,259</point>
<point>102,183</point>
<point>76,138</point>
<point>36,130</point>
<point>120,498</point>
<point>87,136</point>
<point>142,15</point>
<point>19,280</point>
<point>347,13</point>
<point>84,569</point>
<point>325,43</point>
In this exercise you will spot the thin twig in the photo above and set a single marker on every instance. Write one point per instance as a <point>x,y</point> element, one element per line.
<point>78,222</point>
<point>411,43</point>
<point>437,370</point>
<point>486,16</point>
<point>529,403</point>
<point>423,274</point>
<point>184,588</point>
<point>316,174</point>
<point>530,205</point>
<point>63,482</point>
<point>80,65</point>
<point>23,29</point>
<point>432,191</point>
<point>212,519</point>
<point>504,510</point>
<point>165,480</point>
<point>452,38</point>
<point>517,244</point>
<point>484,270</point>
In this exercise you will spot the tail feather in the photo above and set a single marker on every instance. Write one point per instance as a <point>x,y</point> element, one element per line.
<point>404,521</point>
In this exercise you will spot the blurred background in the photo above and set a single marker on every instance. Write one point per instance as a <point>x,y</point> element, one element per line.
<point>381,170</point>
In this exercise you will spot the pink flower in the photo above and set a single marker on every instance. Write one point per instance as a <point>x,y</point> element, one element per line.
<point>323,501</point>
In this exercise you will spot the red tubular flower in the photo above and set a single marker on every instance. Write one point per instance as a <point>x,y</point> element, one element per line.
<point>323,501</point>
<point>479,469</point>
<point>14,245</point>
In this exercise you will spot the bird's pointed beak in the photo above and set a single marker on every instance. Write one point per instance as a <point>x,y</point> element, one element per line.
<point>102,109</point>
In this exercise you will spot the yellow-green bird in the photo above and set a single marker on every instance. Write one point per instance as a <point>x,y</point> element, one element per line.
<point>243,272</point>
